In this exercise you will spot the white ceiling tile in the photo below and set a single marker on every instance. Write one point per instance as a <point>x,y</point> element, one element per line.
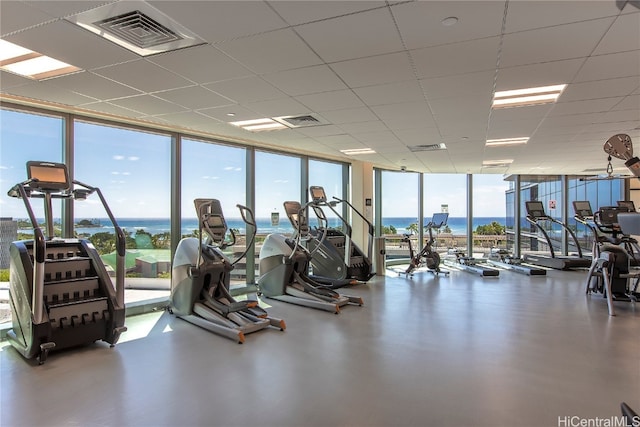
<point>553,43</point>
<point>194,120</point>
<point>269,52</point>
<point>216,21</point>
<point>351,36</point>
<point>391,93</point>
<point>631,102</point>
<point>222,113</point>
<point>201,64</point>
<point>420,22</point>
<point>581,107</point>
<point>349,115</point>
<point>624,35</point>
<point>193,97</point>
<point>317,131</point>
<point>63,40</point>
<point>600,89</point>
<point>302,81</point>
<point>16,15</point>
<point>394,67</point>
<point>112,109</point>
<point>93,85</point>
<point>460,85</point>
<point>536,75</point>
<point>143,75</point>
<point>63,8</point>
<point>148,105</point>
<point>610,66</point>
<point>49,92</point>
<point>330,101</point>
<point>9,80</point>
<point>370,126</point>
<point>277,107</point>
<point>456,58</point>
<point>300,12</point>
<point>418,136</point>
<point>247,89</point>
<point>527,15</point>
<point>405,116</point>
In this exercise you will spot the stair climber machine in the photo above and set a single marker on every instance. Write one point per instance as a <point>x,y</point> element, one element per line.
<point>610,273</point>
<point>537,217</point>
<point>201,275</point>
<point>427,257</point>
<point>338,257</point>
<point>284,270</point>
<point>315,243</point>
<point>61,295</point>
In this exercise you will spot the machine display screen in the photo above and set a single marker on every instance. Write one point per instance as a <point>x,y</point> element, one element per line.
<point>628,204</point>
<point>439,219</point>
<point>317,194</point>
<point>48,176</point>
<point>582,208</point>
<point>535,209</point>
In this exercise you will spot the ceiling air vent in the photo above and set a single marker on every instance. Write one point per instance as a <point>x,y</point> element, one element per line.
<point>138,29</point>
<point>136,26</point>
<point>428,147</point>
<point>300,121</point>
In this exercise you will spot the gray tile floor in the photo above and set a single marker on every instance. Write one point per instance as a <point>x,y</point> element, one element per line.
<point>447,351</point>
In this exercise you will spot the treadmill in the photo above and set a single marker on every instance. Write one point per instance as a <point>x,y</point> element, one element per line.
<point>537,216</point>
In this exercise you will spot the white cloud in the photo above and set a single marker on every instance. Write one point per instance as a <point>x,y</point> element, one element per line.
<point>118,157</point>
<point>134,158</point>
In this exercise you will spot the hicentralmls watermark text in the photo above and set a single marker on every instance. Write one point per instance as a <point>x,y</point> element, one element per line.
<point>614,421</point>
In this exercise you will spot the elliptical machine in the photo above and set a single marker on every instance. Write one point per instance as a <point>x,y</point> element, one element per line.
<point>284,270</point>
<point>61,295</point>
<point>201,275</point>
<point>427,256</point>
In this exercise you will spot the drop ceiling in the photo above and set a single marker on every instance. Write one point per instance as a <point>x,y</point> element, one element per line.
<point>389,76</point>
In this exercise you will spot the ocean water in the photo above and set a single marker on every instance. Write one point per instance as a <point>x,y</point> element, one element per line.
<point>162,225</point>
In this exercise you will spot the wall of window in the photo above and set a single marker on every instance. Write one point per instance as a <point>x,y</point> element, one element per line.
<point>399,211</point>
<point>132,169</point>
<point>215,171</point>
<point>489,213</point>
<point>448,193</point>
<point>329,175</point>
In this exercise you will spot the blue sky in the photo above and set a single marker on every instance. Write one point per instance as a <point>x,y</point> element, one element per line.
<point>133,171</point>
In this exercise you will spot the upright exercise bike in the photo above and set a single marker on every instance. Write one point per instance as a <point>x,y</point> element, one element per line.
<point>427,256</point>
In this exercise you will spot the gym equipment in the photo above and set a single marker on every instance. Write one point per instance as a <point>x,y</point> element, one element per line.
<point>201,275</point>
<point>627,204</point>
<point>338,257</point>
<point>536,216</point>
<point>502,258</point>
<point>61,295</point>
<point>609,273</point>
<point>284,267</point>
<point>316,243</point>
<point>459,260</point>
<point>427,257</point>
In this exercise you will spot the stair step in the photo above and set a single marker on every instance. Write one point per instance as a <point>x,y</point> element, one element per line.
<point>70,290</point>
<point>67,268</point>
<point>78,312</point>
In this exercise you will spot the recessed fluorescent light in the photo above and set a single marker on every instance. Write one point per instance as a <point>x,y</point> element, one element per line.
<point>506,141</point>
<point>19,60</point>
<point>265,126</point>
<point>496,163</point>
<point>356,151</point>
<point>258,125</point>
<point>528,96</point>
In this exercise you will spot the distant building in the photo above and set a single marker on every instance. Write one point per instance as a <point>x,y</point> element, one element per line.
<point>8,234</point>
